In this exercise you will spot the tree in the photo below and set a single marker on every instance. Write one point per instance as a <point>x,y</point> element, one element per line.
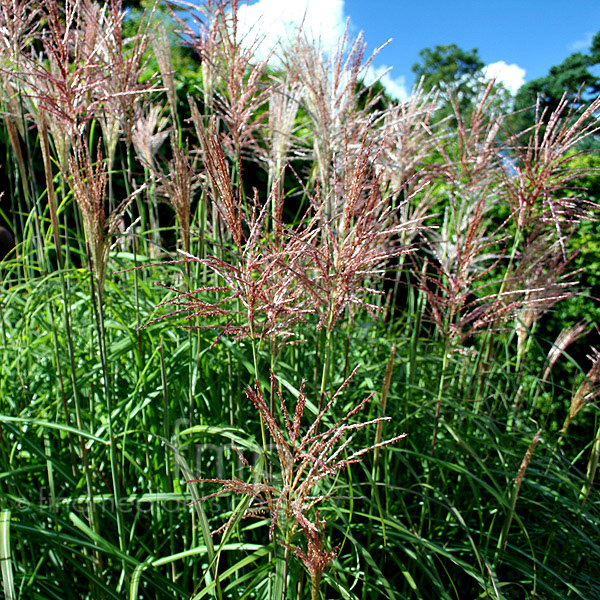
<point>453,72</point>
<point>573,78</point>
<point>449,65</point>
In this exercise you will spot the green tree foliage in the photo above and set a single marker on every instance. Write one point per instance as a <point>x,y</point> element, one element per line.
<point>574,77</point>
<point>456,74</point>
<point>448,65</point>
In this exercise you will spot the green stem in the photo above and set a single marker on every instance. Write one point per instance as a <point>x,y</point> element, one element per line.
<point>315,586</point>
<point>98,306</point>
<point>327,360</point>
<point>438,410</point>
<point>485,353</point>
<point>263,431</point>
<point>67,317</point>
<point>440,393</point>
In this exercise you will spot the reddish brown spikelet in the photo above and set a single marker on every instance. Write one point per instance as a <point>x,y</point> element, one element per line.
<point>535,190</point>
<point>315,559</point>
<point>525,462</point>
<point>178,186</point>
<point>88,180</point>
<point>565,338</point>
<point>588,390</point>
<point>301,468</point>
<point>223,195</point>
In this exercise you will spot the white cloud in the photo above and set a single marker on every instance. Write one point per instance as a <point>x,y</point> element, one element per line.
<point>583,43</point>
<point>269,21</point>
<point>512,76</point>
<point>274,20</point>
<point>394,86</point>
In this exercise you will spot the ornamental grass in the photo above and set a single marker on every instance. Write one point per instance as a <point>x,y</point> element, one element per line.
<point>268,333</point>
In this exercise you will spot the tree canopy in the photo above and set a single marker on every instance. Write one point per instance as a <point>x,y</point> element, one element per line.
<point>574,78</point>
<point>455,73</point>
<point>448,65</point>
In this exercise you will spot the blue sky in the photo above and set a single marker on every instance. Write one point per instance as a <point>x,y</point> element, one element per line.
<point>524,38</point>
<point>534,34</point>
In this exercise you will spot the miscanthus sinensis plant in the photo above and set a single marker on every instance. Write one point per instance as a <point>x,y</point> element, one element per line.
<point>292,490</point>
<point>208,246</point>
